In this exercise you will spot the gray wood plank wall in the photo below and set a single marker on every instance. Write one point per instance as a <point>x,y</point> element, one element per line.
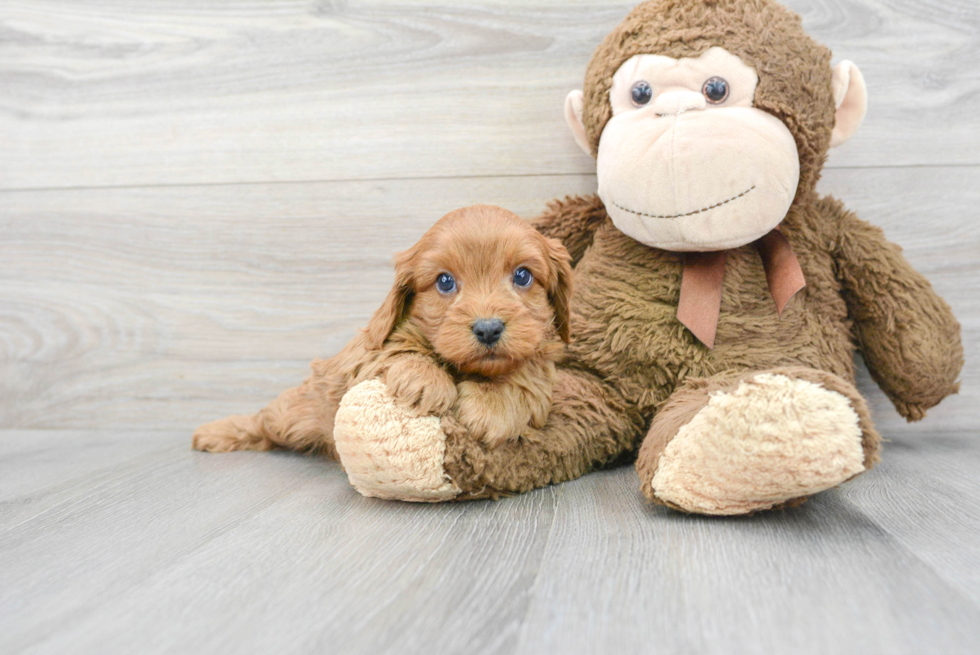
<point>198,197</point>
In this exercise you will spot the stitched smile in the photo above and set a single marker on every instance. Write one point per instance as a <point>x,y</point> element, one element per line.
<point>704,209</point>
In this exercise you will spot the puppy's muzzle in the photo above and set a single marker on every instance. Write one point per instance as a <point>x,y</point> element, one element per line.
<point>488,330</point>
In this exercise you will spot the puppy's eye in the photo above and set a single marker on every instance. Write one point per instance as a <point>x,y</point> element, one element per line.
<point>523,278</point>
<point>641,93</point>
<point>445,283</point>
<point>715,90</point>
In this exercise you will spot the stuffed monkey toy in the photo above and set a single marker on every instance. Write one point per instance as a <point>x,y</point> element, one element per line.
<point>719,301</point>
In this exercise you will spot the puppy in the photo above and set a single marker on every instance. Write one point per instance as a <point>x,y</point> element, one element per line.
<point>473,326</point>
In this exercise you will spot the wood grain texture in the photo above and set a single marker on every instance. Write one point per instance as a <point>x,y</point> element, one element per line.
<point>926,496</point>
<point>167,550</point>
<point>100,93</point>
<point>274,552</point>
<point>167,307</point>
<point>197,197</point>
<point>59,460</point>
<point>824,578</point>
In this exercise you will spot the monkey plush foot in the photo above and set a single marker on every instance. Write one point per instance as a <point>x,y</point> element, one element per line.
<point>387,451</point>
<point>740,444</point>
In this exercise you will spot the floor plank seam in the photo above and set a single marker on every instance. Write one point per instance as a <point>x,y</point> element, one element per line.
<point>367,618</point>
<point>533,588</point>
<point>416,178</point>
<point>899,545</point>
<point>135,583</point>
<point>107,482</point>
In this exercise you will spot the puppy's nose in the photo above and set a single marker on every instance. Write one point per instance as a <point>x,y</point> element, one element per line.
<point>488,330</point>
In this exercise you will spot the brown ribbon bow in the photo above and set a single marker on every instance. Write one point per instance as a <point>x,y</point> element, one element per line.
<point>700,301</point>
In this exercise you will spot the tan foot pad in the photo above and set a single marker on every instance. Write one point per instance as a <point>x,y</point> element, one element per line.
<point>386,451</point>
<point>771,439</point>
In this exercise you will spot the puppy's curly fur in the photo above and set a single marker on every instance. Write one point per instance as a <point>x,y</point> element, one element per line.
<point>422,341</point>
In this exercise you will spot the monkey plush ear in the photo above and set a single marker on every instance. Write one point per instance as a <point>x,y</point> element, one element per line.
<point>573,116</point>
<point>851,99</point>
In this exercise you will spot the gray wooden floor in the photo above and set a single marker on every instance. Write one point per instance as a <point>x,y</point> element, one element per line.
<point>199,196</point>
<point>117,542</point>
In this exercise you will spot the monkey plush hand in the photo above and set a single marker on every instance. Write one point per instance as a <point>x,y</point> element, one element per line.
<point>719,300</point>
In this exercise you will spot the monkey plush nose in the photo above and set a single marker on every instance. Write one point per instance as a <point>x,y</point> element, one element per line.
<point>673,103</point>
<point>488,330</point>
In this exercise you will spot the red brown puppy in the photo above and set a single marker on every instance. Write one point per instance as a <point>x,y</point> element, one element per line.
<point>473,326</point>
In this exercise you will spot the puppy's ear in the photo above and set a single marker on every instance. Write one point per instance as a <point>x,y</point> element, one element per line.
<point>560,287</point>
<point>393,309</point>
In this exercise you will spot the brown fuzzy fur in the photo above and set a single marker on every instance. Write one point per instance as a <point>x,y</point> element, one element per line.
<point>421,343</point>
<point>631,355</point>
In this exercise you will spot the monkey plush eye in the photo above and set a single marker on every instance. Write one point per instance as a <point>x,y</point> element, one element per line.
<point>523,278</point>
<point>445,283</point>
<point>641,93</point>
<point>715,90</point>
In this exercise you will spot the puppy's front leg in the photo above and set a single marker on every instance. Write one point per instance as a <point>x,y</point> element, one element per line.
<point>535,380</point>
<point>492,412</point>
<point>499,410</point>
<point>419,383</point>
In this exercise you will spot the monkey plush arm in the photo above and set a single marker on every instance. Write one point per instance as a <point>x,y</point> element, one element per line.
<point>590,425</point>
<point>573,221</point>
<point>907,333</point>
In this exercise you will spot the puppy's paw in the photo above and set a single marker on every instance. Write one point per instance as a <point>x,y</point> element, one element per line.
<point>491,413</point>
<point>228,434</point>
<point>419,384</point>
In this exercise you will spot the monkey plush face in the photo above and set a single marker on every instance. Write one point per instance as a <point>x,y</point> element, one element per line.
<point>686,162</point>
<point>709,119</point>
